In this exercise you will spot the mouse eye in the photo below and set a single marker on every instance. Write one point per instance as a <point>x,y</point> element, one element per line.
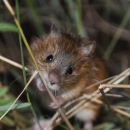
<point>49,58</point>
<point>69,71</point>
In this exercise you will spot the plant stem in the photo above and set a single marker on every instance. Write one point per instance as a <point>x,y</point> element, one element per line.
<point>117,35</point>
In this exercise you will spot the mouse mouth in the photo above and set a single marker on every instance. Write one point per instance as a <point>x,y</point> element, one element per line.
<point>53,87</point>
<point>41,86</point>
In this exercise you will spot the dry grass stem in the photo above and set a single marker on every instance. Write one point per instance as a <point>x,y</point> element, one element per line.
<point>53,119</point>
<point>124,74</point>
<point>77,108</point>
<point>12,63</point>
<point>83,101</point>
<point>113,86</point>
<point>114,95</point>
<point>96,100</point>
<point>121,112</point>
<point>99,82</point>
<point>9,7</point>
<point>67,113</point>
<point>72,102</point>
<point>121,107</point>
<point>118,79</point>
<point>32,77</point>
<point>100,102</point>
<point>93,98</point>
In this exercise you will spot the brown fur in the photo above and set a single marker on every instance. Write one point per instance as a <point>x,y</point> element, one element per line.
<point>68,49</point>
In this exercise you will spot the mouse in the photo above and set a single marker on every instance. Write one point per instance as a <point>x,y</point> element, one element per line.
<point>69,64</point>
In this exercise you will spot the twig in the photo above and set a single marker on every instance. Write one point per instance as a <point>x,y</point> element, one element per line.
<point>113,86</point>
<point>121,112</point>
<point>99,82</point>
<point>121,107</point>
<point>121,77</point>
<point>12,63</point>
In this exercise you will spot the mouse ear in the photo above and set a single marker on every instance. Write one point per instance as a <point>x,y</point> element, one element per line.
<point>53,27</point>
<point>88,48</point>
<point>53,30</point>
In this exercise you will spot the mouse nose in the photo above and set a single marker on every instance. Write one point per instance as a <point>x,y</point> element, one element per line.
<point>53,77</point>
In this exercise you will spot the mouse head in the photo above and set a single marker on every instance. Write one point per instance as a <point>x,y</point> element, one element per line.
<point>62,57</point>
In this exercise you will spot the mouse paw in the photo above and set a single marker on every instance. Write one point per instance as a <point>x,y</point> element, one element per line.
<point>57,103</point>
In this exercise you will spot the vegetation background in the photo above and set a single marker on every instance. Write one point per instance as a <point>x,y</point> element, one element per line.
<point>105,21</point>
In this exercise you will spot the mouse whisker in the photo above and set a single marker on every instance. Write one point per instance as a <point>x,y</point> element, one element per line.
<point>21,76</point>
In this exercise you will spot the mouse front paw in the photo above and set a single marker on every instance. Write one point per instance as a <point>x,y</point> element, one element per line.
<point>57,103</point>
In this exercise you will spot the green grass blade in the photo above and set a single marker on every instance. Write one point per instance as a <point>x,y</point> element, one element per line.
<point>7,100</point>
<point>78,16</point>
<point>117,35</point>
<point>3,91</point>
<point>75,10</point>
<point>21,51</point>
<point>15,106</point>
<point>8,27</point>
<point>23,65</point>
<point>34,15</point>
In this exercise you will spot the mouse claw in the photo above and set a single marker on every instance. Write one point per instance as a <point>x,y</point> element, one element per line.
<point>57,103</point>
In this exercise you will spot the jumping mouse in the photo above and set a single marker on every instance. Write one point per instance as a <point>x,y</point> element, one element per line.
<point>68,64</point>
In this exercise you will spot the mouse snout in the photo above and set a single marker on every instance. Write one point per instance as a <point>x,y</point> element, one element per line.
<point>54,77</point>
